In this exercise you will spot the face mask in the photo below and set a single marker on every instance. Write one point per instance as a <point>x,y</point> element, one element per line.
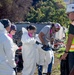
<point>50,31</point>
<point>30,34</point>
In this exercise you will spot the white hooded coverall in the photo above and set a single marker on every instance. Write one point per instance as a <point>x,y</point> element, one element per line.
<point>45,57</point>
<point>28,54</point>
<point>7,61</point>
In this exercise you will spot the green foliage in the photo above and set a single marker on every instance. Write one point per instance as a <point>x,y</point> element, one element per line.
<point>60,52</point>
<point>47,10</point>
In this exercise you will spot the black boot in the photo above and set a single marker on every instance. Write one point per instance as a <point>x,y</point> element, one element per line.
<point>48,74</point>
<point>44,73</point>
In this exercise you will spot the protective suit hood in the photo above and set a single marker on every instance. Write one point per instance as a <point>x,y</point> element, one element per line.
<point>28,53</point>
<point>1,27</point>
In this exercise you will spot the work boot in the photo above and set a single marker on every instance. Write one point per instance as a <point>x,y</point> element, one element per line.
<point>44,73</point>
<point>48,74</point>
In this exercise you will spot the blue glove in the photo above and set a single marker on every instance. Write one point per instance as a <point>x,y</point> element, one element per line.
<point>46,47</point>
<point>37,42</point>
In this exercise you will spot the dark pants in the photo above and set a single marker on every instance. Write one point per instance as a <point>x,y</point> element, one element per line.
<point>71,60</point>
<point>40,67</point>
<point>64,67</point>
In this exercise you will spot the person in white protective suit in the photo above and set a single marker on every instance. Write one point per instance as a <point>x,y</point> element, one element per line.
<point>12,31</point>
<point>7,61</point>
<point>45,53</point>
<point>28,50</point>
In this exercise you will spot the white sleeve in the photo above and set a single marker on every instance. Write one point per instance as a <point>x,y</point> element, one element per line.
<point>15,46</point>
<point>9,52</point>
<point>26,39</point>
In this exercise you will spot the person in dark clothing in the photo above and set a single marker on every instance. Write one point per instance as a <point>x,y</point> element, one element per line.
<point>70,41</point>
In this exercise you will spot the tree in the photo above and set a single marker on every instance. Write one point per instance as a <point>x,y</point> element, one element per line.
<point>15,10</point>
<point>46,10</point>
<point>5,5</point>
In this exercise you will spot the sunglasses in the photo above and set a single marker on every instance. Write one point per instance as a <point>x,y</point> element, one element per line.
<point>55,30</point>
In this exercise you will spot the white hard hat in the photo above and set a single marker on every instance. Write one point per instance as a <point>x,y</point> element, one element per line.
<point>70,8</point>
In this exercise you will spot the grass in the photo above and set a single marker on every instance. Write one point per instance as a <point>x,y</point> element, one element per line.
<point>56,65</point>
<point>60,52</point>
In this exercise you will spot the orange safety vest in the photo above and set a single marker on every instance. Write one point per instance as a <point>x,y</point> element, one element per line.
<point>72,47</point>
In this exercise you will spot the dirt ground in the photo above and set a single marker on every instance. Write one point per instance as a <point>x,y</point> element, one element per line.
<point>55,70</point>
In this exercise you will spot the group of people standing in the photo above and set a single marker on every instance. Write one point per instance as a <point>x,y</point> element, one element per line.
<point>43,56</point>
<point>36,50</point>
<point>7,50</point>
